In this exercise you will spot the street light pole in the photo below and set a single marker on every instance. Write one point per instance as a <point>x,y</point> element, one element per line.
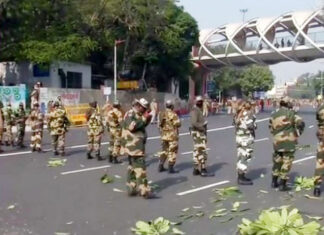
<point>117,42</point>
<point>322,83</point>
<point>115,71</point>
<point>244,11</point>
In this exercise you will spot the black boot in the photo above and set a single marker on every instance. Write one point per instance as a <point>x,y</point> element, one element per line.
<point>161,168</point>
<point>274,183</point>
<point>56,153</point>
<point>110,158</point>
<point>99,158</point>
<point>317,191</point>
<point>151,195</point>
<point>205,173</point>
<point>283,186</point>
<point>242,180</point>
<point>196,172</point>
<point>116,161</point>
<point>172,170</point>
<point>89,155</point>
<point>33,149</point>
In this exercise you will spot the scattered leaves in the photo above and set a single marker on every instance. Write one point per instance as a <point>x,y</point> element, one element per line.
<point>11,207</point>
<point>263,191</point>
<point>304,183</point>
<point>158,226</point>
<point>56,162</point>
<point>278,222</point>
<point>105,179</point>
<point>228,192</point>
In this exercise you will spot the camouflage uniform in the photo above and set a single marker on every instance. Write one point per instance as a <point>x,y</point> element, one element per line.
<point>95,130</point>
<point>34,96</point>
<point>245,132</point>
<point>199,135</point>
<point>114,122</point>
<point>58,123</point>
<point>134,134</point>
<point>206,106</point>
<point>9,122</point>
<point>21,125</point>
<point>169,126</point>
<point>36,124</point>
<point>319,172</point>
<point>285,127</point>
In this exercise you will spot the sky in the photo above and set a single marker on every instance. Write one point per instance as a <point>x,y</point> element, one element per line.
<point>214,13</point>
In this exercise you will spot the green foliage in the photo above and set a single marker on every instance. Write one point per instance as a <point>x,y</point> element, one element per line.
<point>56,162</point>
<point>228,192</point>
<point>106,179</point>
<point>158,226</point>
<point>304,183</point>
<point>256,78</point>
<point>158,35</point>
<point>248,79</point>
<point>282,222</point>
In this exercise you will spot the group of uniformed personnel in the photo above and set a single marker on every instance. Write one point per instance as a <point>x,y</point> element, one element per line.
<point>128,137</point>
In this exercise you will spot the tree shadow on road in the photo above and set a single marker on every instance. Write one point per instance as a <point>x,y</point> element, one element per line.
<point>256,173</point>
<point>168,182</point>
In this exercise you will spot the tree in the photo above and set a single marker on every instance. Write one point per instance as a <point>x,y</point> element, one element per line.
<point>256,78</point>
<point>159,35</point>
<point>246,79</point>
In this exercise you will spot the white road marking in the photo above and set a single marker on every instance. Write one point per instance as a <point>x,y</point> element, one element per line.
<point>190,152</point>
<point>202,188</point>
<point>106,143</point>
<point>260,140</point>
<point>304,159</point>
<point>310,127</point>
<point>86,169</point>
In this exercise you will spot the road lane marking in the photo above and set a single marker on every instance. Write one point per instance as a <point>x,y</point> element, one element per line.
<point>304,159</point>
<point>85,169</point>
<point>106,143</point>
<point>15,153</point>
<point>190,152</point>
<point>202,188</point>
<point>260,140</point>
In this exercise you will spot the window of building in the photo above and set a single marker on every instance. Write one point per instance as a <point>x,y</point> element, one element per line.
<point>72,80</point>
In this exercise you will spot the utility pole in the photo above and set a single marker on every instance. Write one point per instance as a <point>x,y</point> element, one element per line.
<point>117,42</point>
<point>322,83</point>
<point>244,11</point>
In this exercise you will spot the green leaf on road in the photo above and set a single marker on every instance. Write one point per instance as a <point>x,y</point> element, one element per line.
<point>176,231</point>
<point>105,179</point>
<point>56,162</point>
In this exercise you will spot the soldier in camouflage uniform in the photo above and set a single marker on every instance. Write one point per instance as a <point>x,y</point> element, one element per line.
<point>95,131</point>
<point>286,127</point>
<point>36,123</point>
<point>9,118</point>
<point>169,124</point>
<point>58,124</point>
<point>245,126</point>
<point>319,171</point>
<point>34,96</point>
<point>134,133</point>
<point>199,134</point>
<point>20,116</point>
<point>114,125</point>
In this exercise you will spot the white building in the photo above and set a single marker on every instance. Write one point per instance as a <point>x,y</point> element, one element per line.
<point>57,75</point>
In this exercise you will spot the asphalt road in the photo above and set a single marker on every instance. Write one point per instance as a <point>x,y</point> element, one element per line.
<point>71,199</point>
